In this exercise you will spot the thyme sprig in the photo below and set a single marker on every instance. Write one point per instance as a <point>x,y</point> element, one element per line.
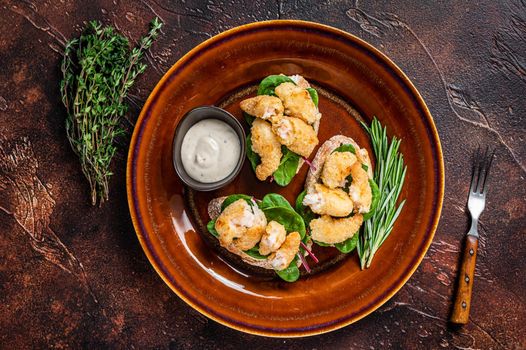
<point>98,70</point>
<point>389,174</point>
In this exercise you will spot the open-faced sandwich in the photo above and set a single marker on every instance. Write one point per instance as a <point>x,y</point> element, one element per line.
<point>266,233</point>
<point>340,193</point>
<point>284,119</point>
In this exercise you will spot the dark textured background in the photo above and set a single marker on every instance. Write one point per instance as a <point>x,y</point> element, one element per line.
<point>72,275</point>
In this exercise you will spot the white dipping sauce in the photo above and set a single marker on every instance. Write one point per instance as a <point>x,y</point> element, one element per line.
<point>210,150</point>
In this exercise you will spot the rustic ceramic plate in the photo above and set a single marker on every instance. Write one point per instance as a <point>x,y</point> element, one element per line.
<point>355,82</point>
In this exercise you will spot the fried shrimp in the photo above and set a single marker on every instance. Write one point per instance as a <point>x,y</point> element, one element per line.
<point>336,169</point>
<point>236,220</point>
<point>263,106</point>
<point>267,145</point>
<point>363,157</point>
<point>300,81</point>
<point>327,229</point>
<point>282,258</point>
<point>254,233</point>
<point>323,200</point>
<point>297,135</point>
<point>273,238</point>
<point>360,189</point>
<point>297,102</point>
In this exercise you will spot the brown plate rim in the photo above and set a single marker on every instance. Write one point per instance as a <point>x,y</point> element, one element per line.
<point>405,83</point>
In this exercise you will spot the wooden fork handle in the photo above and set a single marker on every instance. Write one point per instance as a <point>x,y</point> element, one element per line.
<point>462,304</point>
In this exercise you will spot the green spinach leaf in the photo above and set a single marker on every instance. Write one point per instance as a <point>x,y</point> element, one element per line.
<point>248,118</point>
<point>277,208</point>
<point>305,212</point>
<point>348,182</point>
<point>348,245</point>
<point>291,273</point>
<point>212,229</point>
<point>321,244</point>
<point>288,218</point>
<point>234,197</point>
<point>287,167</point>
<point>313,95</point>
<point>345,148</point>
<point>374,201</point>
<point>254,252</point>
<point>274,200</point>
<point>267,85</point>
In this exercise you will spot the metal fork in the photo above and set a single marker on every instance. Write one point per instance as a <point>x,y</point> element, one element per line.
<point>476,204</point>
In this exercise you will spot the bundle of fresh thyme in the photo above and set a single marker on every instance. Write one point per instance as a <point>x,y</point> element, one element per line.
<point>389,174</point>
<point>98,70</point>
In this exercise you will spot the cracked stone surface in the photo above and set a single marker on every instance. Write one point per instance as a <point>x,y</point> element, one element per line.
<point>85,282</point>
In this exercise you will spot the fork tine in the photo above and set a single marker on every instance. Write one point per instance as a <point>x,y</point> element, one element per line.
<point>475,171</point>
<point>486,175</point>
<point>482,171</point>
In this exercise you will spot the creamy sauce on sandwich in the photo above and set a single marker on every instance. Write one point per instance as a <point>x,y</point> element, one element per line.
<point>210,150</point>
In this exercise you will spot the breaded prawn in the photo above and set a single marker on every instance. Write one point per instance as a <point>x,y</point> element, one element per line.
<point>237,219</point>
<point>328,201</point>
<point>336,169</point>
<point>297,102</point>
<point>267,145</point>
<point>263,106</point>
<point>327,229</point>
<point>272,238</point>
<point>363,157</point>
<point>254,233</point>
<point>360,189</point>
<point>297,135</point>
<point>300,81</point>
<point>282,258</point>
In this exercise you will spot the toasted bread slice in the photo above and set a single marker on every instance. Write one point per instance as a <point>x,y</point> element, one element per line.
<point>214,210</point>
<point>315,171</point>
